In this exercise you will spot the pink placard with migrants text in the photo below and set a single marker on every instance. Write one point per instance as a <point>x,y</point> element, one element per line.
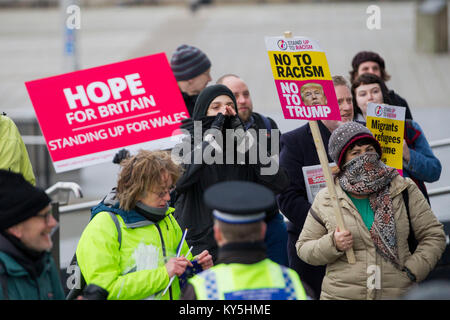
<point>86,116</point>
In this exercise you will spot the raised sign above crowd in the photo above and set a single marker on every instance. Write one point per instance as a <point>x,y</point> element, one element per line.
<point>302,78</point>
<point>87,116</point>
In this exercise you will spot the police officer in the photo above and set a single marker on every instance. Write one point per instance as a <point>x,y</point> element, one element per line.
<point>243,271</point>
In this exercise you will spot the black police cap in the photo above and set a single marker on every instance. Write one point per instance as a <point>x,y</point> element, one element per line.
<point>239,201</point>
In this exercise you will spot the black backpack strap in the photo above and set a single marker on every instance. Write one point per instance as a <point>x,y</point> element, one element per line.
<point>119,231</point>
<point>4,281</point>
<point>316,217</point>
<point>405,195</point>
<point>412,241</point>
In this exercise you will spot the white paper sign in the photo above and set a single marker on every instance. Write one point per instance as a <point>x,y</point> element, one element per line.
<point>314,180</point>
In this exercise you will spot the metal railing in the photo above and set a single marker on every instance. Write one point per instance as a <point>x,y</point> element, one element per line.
<point>60,193</point>
<point>438,191</point>
<point>440,143</point>
<point>65,208</point>
<point>79,206</point>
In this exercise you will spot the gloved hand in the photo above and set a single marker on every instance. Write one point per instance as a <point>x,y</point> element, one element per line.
<point>216,124</point>
<point>187,124</point>
<point>236,122</point>
<point>121,155</point>
<point>218,121</point>
<point>94,292</point>
<point>190,272</point>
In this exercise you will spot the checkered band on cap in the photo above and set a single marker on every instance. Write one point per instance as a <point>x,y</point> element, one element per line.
<point>188,62</point>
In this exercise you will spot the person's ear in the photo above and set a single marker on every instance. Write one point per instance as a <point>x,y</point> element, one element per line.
<point>263,229</point>
<point>217,234</point>
<point>16,230</point>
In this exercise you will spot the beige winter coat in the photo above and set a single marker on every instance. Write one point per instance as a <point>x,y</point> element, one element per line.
<point>372,277</point>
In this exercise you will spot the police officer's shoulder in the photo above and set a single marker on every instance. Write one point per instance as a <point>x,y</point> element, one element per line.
<point>239,201</point>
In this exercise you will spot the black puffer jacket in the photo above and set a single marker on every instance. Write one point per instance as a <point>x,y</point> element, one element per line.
<point>190,210</point>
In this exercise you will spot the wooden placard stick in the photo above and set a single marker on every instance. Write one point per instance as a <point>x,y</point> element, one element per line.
<point>330,183</point>
<point>328,176</point>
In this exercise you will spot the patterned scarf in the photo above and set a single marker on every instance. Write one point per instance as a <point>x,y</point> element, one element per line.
<point>368,175</point>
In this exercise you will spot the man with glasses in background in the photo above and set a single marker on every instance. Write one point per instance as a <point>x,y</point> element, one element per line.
<point>27,269</point>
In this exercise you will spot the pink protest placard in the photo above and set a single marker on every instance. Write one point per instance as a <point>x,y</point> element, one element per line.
<point>87,116</point>
<point>319,100</point>
<point>302,78</point>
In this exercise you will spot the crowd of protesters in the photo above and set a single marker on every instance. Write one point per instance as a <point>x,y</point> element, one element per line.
<point>171,230</point>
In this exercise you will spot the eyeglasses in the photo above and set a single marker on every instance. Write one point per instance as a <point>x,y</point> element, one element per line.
<point>162,194</point>
<point>46,216</point>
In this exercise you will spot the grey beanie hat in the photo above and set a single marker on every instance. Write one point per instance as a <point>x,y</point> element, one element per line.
<point>188,62</point>
<point>344,136</point>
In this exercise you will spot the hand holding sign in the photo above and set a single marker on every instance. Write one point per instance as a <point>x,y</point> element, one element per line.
<point>343,239</point>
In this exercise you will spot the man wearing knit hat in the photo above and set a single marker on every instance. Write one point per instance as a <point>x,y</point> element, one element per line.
<point>372,62</point>
<point>191,68</point>
<point>27,270</point>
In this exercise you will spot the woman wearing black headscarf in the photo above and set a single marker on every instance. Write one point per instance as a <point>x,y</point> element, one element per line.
<point>207,162</point>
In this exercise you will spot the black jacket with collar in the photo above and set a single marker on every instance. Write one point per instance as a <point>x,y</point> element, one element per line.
<point>298,150</point>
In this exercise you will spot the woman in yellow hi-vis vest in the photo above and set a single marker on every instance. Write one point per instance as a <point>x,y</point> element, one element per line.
<point>152,254</point>
<point>243,271</point>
